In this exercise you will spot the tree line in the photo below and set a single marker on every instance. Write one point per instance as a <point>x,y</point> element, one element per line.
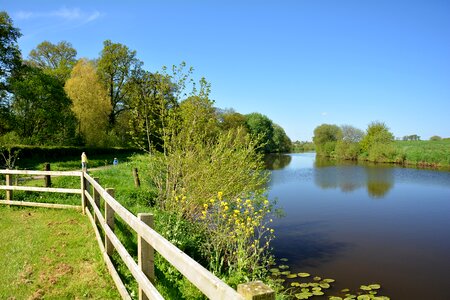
<point>55,98</point>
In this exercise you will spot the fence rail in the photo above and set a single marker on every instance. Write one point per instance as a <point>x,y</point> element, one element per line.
<point>148,240</point>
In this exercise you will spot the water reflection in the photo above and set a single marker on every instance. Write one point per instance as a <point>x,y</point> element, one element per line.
<point>277,161</point>
<point>349,176</point>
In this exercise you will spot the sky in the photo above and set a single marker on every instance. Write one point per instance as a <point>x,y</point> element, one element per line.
<point>301,63</point>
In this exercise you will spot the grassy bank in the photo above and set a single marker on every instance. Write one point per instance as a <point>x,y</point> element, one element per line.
<point>50,254</point>
<point>425,153</point>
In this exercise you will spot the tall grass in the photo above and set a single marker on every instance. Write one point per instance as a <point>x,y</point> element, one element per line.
<point>432,153</point>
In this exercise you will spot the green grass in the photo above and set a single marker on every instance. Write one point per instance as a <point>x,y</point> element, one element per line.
<point>432,153</point>
<point>50,254</point>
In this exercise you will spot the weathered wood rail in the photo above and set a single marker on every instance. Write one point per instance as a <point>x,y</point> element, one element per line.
<point>148,240</point>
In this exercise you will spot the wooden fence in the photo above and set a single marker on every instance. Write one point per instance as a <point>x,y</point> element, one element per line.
<point>92,193</point>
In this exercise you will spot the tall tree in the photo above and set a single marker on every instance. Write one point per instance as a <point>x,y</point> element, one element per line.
<point>115,68</point>
<point>10,60</point>
<point>55,59</point>
<point>42,108</point>
<point>151,99</point>
<point>90,102</point>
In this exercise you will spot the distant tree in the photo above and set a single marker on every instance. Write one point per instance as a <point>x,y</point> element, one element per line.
<point>377,133</point>
<point>348,146</point>
<point>42,108</point>
<point>55,59</point>
<point>303,146</point>
<point>435,138</point>
<point>261,128</point>
<point>325,138</point>
<point>229,118</point>
<point>90,102</point>
<point>115,68</point>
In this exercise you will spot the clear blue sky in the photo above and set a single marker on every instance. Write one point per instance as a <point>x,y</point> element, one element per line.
<point>302,63</point>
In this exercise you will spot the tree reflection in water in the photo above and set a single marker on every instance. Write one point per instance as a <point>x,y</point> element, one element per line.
<point>349,176</point>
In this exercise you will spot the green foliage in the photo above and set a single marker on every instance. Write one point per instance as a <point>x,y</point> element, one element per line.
<point>303,146</point>
<point>10,58</point>
<point>115,67</point>
<point>42,113</point>
<point>90,103</point>
<point>347,150</point>
<point>325,138</point>
<point>54,59</point>
<point>229,119</point>
<point>261,128</point>
<point>435,138</point>
<point>151,98</point>
<point>376,133</point>
<point>282,143</point>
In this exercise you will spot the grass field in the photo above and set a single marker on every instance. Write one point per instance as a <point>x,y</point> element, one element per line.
<point>432,153</point>
<point>50,254</point>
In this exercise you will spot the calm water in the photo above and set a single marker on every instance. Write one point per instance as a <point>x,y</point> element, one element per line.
<point>362,224</point>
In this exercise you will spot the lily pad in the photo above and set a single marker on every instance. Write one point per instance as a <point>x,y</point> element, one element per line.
<point>295,284</point>
<point>284,259</point>
<point>274,270</point>
<point>328,280</point>
<point>365,288</point>
<point>318,293</point>
<point>335,298</point>
<point>317,278</point>
<point>345,290</point>
<point>291,276</point>
<point>375,286</point>
<point>304,274</point>
<point>363,297</point>
<point>283,267</point>
<point>324,285</point>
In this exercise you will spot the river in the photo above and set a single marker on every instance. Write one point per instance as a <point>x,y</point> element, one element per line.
<point>362,224</point>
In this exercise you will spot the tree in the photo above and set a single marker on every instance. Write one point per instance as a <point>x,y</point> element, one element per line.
<point>377,133</point>
<point>10,60</point>
<point>90,102</point>
<point>54,59</point>
<point>282,143</point>
<point>261,128</point>
<point>115,68</point>
<point>229,118</point>
<point>41,108</point>
<point>325,138</point>
<point>435,138</point>
<point>151,99</point>
<point>351,134</point>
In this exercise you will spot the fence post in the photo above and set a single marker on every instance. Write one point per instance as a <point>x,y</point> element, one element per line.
<point>255,290</point>
<point>9,193</point>
<point>83,196</point>
<point>137,182</point>
<point>47,178</point>
<point>109,218</point>
<point>96,197</point>
<point>146,254</point>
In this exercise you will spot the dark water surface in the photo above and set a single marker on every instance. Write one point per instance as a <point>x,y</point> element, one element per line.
<point>363,224</point>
